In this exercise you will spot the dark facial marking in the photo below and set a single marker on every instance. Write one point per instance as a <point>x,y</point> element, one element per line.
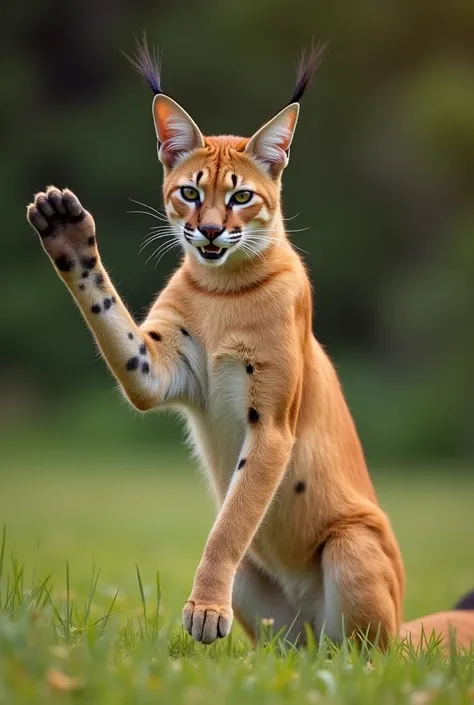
<point>185,332</point>
<point>107,303</point>
<point>142,349</point>
<point>64,263</point>
<point>130,335</point>
<point>199,177</point>
<point>98,279</point>
<point>88,262</point>
<point>82,287</point>
<point>241,463</point>
<point>145,368</point>
<point>95,308</point>
<point>253,415</point>
<point>234,180</point>
<point>154,336</point>
<point>85,274</point>
<point>91,240</point>
<point>249,368</point>
<point>300,487</point>
<point>133,363</point>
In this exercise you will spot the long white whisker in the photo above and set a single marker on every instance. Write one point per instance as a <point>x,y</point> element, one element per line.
<point>155,230</point>
<point>152,215</point>
<point>149,240</point>
<point>173,245</point>
<point>245,246</point>
<point>146,205</point>
<point>276,230</point>
<point>279,243</point>
<point>159,249</point>
<point>162,227</point>
<point>244,250</point>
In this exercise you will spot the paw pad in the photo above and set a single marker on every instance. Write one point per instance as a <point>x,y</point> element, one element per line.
<point>54,209</point>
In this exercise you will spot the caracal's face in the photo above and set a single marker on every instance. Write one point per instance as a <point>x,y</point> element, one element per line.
<point>220,203</point>
<point>221,193</point>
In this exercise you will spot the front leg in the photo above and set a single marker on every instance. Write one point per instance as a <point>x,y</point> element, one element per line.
<point>148,361</point>
<point>208,613</point>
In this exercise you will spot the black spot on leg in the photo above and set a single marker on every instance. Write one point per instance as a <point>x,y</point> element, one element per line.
<point>64,264</point>
<point>107,303</point>
<point>145,368</point>
<point>82,287</point>
<point>130,335</point>
<point>300,487</point>
<point>91,240</point>
<point>154,336</point>
<point>253,415</point>
<point>85,274</point>
<point>142,349</point>
<point>95,308</point>
<point>88,262</point>
<point>98,278</point>
<point>241,464</point>
<point>185,332</point>
<point>113,299</point>
<point>133,363</point>
<point>249,368</point>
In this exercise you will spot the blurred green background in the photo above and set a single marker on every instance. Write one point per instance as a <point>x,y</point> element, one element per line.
<point>381,176</point>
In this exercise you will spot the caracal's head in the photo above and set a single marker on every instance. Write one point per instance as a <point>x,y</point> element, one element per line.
<point>222,193</point>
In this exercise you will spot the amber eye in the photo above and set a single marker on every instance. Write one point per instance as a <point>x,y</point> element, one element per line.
<point>241,197</point>
<point>189,193</point>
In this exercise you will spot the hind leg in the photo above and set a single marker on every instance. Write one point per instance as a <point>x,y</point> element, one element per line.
<point>363,582</point>
<point>255,597</point>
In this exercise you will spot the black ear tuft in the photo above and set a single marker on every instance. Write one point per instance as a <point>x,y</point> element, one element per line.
<point>307,65</point>
<point>148,64</point>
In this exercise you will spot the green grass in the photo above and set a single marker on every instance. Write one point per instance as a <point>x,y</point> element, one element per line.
<point>99,559</point>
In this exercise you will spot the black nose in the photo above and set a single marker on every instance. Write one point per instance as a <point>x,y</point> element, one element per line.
<point>211,231</point>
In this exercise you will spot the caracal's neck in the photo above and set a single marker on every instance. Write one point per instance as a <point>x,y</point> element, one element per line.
<point>246,273</point>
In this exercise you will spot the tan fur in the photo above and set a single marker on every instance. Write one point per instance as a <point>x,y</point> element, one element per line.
<point>299,536</point>
<point>457,625</point>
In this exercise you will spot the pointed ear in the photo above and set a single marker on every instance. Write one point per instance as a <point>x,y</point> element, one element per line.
<point>176,131</point>
<point>270,145</point>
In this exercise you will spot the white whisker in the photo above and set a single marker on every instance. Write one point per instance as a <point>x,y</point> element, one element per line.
<point>172,246</point>
<point>146,205</point>
<point>162,247</point>
<point>152,215</point>
<point>149,240</point>
<point>279,243</point>
<point>245,246</point>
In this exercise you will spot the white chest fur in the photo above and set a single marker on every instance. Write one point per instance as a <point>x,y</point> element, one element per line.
<point>218,430</point>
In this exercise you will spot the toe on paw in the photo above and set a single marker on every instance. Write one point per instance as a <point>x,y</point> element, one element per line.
<point>36,219</point>
<point>43,205</point>
<point>55,199</point>
<point>72,204</point>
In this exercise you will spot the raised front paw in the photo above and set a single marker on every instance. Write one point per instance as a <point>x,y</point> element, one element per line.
<point>66,229</point>
<point>207,622</point>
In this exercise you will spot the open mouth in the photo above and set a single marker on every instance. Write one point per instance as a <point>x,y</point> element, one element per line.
<point>211,252</point>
